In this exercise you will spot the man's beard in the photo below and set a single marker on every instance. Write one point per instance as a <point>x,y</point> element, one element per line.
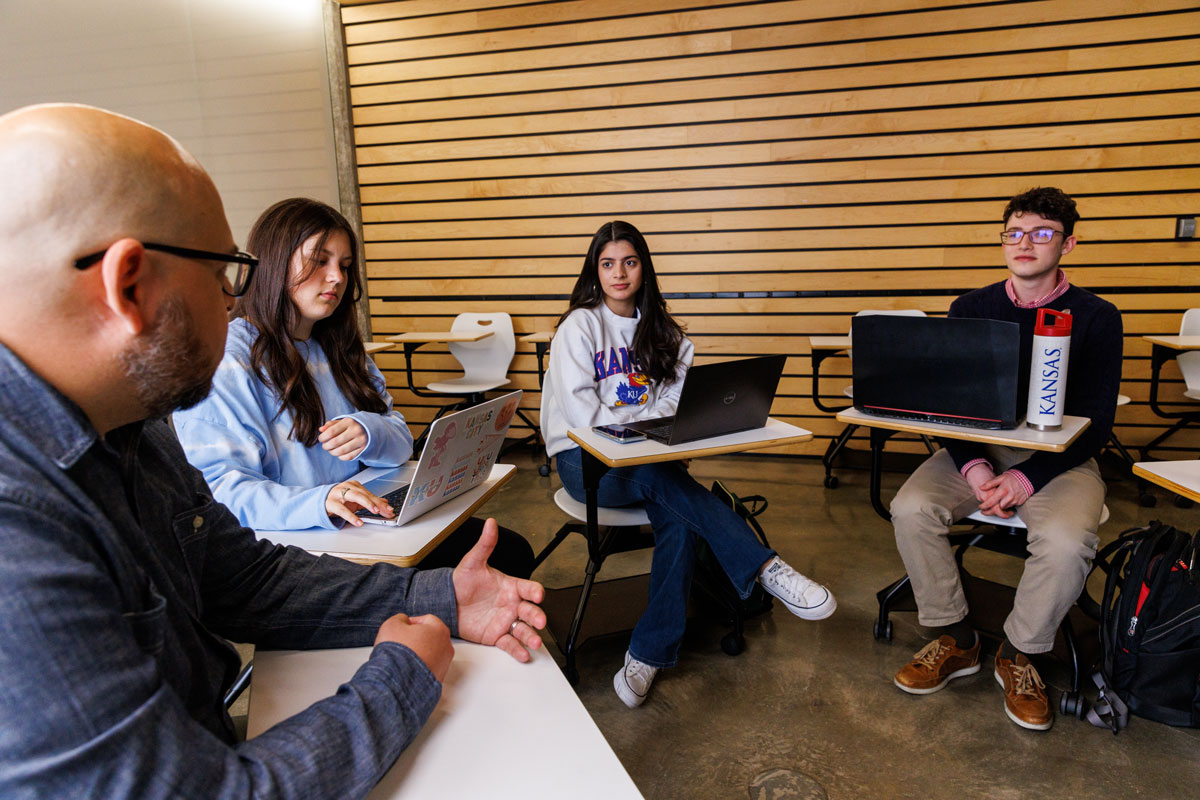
<point>168,369</point>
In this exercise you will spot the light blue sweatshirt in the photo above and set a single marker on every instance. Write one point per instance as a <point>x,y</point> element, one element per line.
<point>270,481</point>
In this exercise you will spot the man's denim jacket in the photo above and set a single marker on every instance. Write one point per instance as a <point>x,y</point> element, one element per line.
<point>119,578</point>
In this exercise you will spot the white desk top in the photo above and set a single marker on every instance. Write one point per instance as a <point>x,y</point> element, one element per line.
<point>829,342</point>
<point>404,545</point>
<point>1021,436</point>
<point>1176,342</point>
<point>618,454</point>
<point>494,713</point>
<point>1181,477</point>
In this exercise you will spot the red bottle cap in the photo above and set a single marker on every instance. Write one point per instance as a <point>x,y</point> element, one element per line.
<point>1052,323</point>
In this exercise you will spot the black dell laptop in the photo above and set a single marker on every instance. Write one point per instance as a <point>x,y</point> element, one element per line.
<point>720,398</point>
<point>952,371</point>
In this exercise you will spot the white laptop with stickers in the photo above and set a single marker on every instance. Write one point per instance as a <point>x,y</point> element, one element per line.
<point>458,456</point>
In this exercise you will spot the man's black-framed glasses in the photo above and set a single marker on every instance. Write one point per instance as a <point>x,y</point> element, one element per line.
<point>1037,235</point>
<point>235,276</point>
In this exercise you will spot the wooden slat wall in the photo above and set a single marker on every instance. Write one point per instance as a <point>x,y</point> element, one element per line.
<point>790,163</point>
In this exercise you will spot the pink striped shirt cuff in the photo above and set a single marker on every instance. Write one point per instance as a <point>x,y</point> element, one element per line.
<point>967,466</point>
<point>1020,476</point>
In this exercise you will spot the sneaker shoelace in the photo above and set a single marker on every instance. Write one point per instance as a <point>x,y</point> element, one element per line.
<point>791,583</point>
<point>929,655</point>
<point>1026,680</point>
<point>638,675</point>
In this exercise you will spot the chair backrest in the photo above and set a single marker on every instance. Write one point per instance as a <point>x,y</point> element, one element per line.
<point>1189,362</point>
<point>487,359</point>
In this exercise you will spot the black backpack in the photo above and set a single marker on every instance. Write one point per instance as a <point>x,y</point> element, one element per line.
<point>1150,629</point>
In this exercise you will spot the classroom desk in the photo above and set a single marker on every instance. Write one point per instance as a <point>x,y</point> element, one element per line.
<point>501,730</point>
<point>377,347</point>
<point>1181,477</point>
<point>414,339</point>
<point>1162,350</point>
<point>403,545</point>
<point>601,454</point>
<point>883,428</point>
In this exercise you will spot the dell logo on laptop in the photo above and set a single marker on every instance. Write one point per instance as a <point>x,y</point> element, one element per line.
<point>729,398</point>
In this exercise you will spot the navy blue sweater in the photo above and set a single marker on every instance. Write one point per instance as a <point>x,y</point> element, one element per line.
<point>1093,372</point>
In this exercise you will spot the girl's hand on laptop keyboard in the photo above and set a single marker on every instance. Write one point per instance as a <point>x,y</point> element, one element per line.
<point>349,496</point>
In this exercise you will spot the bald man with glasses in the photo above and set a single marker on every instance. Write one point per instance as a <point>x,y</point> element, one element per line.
<point>1059,495</point>
<point>121,578</point>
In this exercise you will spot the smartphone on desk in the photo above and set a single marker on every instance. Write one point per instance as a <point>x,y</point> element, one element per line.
<point>619,433</point>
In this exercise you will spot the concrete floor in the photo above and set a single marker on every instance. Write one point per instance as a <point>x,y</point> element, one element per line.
<point>809,709</point>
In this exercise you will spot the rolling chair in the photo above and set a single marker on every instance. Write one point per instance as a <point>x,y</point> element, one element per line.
<point>485,367</point>
<point>839,442</point>
<point>1007,537</point>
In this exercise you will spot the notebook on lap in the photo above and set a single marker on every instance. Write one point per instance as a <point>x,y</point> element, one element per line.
<point>951,371</point>
<point>720,398</point>
<point>458,456</point>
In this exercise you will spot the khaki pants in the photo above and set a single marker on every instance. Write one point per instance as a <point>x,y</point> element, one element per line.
<point>1061,519</point>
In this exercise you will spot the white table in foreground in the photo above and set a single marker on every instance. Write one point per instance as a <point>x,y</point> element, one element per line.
<point>1021,436</point>
<point>502,729</point>
<point>1181,477</point>
<point>647,451</point>
<point>403,545</point>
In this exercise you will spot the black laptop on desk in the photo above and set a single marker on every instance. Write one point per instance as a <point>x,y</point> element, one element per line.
<point>951,371</point>
<point>720,398</point>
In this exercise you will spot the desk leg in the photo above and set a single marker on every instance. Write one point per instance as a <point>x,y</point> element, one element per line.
<point>1160,355</point>
<point>593,471</point>
<point>879,437</point>
<point>541,348</point>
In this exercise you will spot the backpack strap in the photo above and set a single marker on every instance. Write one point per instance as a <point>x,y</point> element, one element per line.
<point>1109,710</point>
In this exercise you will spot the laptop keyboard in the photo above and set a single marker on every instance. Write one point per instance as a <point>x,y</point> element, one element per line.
<point>394,498</point>
<point>958,422</point>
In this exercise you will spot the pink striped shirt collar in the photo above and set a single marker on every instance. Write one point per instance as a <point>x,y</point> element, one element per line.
<point>1060,287</point>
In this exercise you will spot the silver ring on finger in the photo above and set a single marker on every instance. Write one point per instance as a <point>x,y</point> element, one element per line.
<point>512,629</point>
<point>344,490</point>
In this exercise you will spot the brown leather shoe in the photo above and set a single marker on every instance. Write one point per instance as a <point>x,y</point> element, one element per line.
<point>1024,693</point>
<point>936,664</point>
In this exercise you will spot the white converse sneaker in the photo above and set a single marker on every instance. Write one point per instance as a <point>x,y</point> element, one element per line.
<point>804,598</point>
<point>632,681</point>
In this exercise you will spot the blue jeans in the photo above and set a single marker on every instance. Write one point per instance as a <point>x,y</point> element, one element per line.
<point>680,509</point>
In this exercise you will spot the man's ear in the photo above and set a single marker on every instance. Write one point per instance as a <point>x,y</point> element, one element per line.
<point>1068,244</point>
<point>124,272</point>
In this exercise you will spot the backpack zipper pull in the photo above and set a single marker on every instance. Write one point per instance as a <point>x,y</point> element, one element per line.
<point>1132,626</point>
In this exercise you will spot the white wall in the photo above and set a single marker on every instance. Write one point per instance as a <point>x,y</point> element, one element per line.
<point>241,83</point>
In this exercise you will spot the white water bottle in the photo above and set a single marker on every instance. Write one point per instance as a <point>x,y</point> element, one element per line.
<point>1048,372</point>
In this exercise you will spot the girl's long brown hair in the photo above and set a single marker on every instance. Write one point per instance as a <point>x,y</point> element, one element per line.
<point>267,305</point>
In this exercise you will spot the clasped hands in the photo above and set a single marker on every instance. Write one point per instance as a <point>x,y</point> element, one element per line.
<point>998,495</point>
<point>493,609</point>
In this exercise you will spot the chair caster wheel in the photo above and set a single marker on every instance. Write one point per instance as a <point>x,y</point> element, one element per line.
<point>831,482</point>
<point>1147,500</point>
<point>733,644</point>
<point>1182,502</point>
<point>543,470</point>
<point>882,631</point>
<point>572,675</point>
<point>1073,704</point>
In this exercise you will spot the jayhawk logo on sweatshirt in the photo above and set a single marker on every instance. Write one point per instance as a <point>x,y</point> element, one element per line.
<point>635,392</point>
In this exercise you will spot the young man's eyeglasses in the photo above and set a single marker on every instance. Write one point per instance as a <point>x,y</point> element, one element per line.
<point>235,275</point>
<point>1037,235</point>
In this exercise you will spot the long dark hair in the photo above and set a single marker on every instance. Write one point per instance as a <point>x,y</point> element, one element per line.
<point>656,342</point>
<point>268,306</point>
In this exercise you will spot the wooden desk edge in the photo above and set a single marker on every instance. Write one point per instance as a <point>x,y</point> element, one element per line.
<point>1172,341</point>
<point>536,336</point>
<point>429,337</point>
<point>741,447</point>
<point>1166,483</point>
<point>979,435</point>
<point>416,558</point>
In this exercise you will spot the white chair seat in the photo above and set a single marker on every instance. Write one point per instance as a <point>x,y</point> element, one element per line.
<point>1124,400</point>
<point>627,516</point>
<point>1192,394</point>
<point>1015,520</point>
<point>465,386</point>
<point>849,391</point>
